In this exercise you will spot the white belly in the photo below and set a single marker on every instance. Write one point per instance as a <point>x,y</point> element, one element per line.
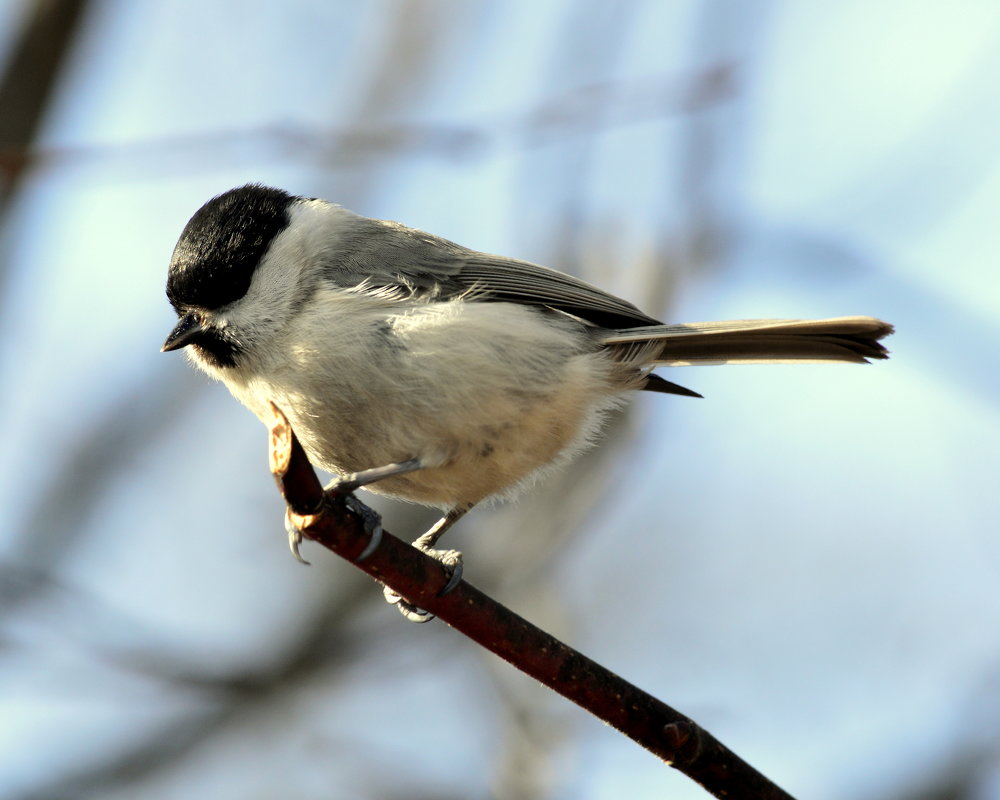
<point>487,395</point>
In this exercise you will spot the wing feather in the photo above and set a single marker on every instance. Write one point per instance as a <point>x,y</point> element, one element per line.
<point>427,263</point>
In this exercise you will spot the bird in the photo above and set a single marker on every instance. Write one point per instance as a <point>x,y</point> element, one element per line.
<point>429,371</point>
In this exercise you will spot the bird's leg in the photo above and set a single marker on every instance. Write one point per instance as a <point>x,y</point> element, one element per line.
<point>451,560</point>
<point>437,530</point>
<point>347,484</point>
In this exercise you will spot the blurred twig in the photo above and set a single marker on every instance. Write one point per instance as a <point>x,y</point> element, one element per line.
<point>56,514</point>
<point>26,88</point>
<point>713,153</point>
<point>229,698</point>
<point>30,79</point>
<point>578,113</point>
<point>327,519</point>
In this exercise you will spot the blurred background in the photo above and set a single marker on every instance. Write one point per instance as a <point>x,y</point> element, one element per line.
<point>806,561</point>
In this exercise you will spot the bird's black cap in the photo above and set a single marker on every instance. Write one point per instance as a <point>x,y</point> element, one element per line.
<point>222,244</point>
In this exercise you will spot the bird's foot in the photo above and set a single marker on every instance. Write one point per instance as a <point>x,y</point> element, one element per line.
<point>451,562</point>
<point>369,517</point>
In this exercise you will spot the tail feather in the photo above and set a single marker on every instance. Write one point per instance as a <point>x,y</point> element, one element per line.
<point>654,383</point>
<point>852,339</point>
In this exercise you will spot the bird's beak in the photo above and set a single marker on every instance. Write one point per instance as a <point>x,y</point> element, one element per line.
<point>188,328</point>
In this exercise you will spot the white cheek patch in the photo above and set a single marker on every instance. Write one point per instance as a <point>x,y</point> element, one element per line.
<point>284,272</point>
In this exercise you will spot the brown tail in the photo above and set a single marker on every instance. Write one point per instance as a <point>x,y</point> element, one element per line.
<point>757,341</point>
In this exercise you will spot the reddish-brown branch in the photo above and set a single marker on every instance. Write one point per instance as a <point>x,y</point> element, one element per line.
<point>682,743</point>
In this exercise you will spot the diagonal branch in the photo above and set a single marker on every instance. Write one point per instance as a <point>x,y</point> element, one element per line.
<point>327,518</point>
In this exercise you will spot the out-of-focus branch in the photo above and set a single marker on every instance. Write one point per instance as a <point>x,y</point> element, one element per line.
<point>327,519</point>
<point>42,532</point>
<point>33,69</point>
<point>231,697</point>
<point>581,113</point>
<point>28,83</point>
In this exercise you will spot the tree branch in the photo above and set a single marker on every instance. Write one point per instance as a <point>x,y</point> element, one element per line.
<point>582,113</point>
<point>327,519</point>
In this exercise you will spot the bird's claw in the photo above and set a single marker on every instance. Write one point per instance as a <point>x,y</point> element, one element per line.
<point>406,608</point>
<point>451,562</point>
<point>373,526</point>
<point>294,537</point>
<point>370,519</point>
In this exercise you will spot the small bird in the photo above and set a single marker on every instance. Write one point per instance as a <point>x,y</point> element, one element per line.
<point>426,370</point>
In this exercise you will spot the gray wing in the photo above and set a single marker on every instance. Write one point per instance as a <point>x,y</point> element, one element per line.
<point>390,254</point>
